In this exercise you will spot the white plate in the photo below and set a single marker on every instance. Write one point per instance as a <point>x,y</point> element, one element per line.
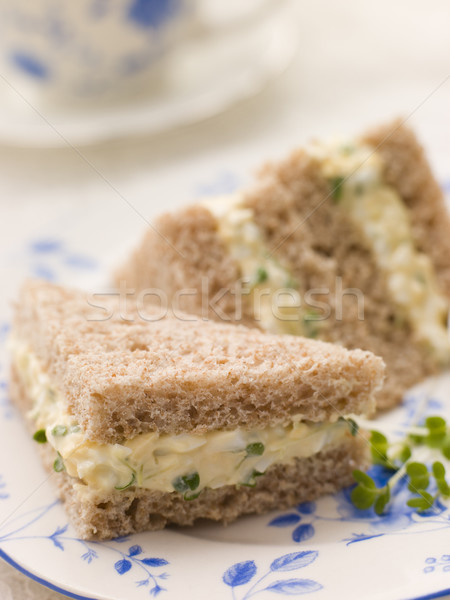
<point>327,550</point>
<point>202,78</point>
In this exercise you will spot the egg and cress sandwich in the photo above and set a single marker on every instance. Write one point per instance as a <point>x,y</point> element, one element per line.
<point>346,241</point>
<point>147,421</point>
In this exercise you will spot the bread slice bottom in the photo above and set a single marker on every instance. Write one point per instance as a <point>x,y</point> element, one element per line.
<point>104,515</point>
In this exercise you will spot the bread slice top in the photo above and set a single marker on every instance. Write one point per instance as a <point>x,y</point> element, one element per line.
<point>123,377</point>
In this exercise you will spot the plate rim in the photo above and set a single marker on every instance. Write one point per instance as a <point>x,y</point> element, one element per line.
<point>9,560</point>
<point>48,584</point>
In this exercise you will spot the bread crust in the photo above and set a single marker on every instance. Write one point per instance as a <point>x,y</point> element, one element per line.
<point>98,515</point>
<point>121,378</point>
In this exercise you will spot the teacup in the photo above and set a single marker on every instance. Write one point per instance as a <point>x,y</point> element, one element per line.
<point>88,48</point>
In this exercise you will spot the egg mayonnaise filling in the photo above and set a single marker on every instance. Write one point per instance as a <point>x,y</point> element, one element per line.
<point>267,285</point>
<point>185,463</point>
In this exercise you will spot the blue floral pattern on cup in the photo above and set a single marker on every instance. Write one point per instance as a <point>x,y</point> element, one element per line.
<point>152,13</point>
<point>88,47</point>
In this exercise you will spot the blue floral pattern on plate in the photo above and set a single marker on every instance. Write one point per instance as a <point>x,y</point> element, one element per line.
<point>3,491</point>
<point>49,257</point>
<point>241,574</point>
<point>131,560</point>
<point>432,563</point>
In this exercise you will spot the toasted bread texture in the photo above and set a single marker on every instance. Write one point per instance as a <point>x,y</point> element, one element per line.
<point>121,377</point>
<point>104,515</point>
<point>294,210</point>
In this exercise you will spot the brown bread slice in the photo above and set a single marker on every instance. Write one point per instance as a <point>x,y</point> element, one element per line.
<point>121,378</point>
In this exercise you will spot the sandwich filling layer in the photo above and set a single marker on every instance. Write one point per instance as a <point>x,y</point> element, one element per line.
<point>185,463</point>
<point>269,286</point>
<point>355,174</point>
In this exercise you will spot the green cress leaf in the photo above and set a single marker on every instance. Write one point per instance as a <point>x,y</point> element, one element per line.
<point>364,479</point>
<point>186,483</point>
<point>439,475</point>
<point>363,497</point>
<point>58,465</point>
<point>416,469</point>
<point>192,480</point>
<point>382,501</point>
<point>261,275</point>
<point>336,188</point>
<point>189,497</point>
<point>405,454</point>
<point>443,487</point>
<point>379,447</point>
<point>352,425</point>
<point>437,428</point>
<point>366,493</point>
<point>40,436</point>
<point>446,449</point>
<point>255,449</point>
<point>416,439</point>
<point>59,430</point>
<point>127,485</point>
<point>419,478</point>
<point>438,470</point>
<point>436,424</point>
<point>252,479</point>
<point>424,502</point>
<point>399,457</point>
<point>419,503</point>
